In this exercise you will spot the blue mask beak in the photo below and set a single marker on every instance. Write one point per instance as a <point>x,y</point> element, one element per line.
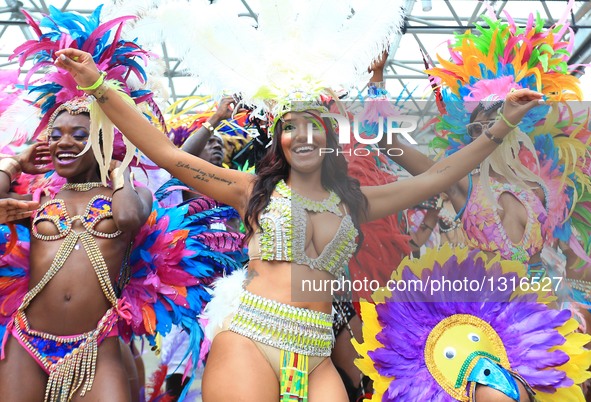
<point>488,373</point>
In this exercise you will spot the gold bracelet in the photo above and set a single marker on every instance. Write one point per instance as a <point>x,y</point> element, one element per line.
<point>491,137</point>
<point>208,126</point>
<point>507,122</point>
<point>11,167</point>
<point>117,180</point>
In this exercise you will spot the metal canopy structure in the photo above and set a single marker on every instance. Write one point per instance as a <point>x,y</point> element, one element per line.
<point>429,24</point>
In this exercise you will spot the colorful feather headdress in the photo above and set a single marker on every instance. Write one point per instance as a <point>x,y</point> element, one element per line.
<point>501,57</point>
<point>504,56</point>
<point>121,60</point>
<point>291,54</point>
<point>183,121</point>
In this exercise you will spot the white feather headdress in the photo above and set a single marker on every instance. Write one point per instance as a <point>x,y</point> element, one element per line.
<point>293,51</point>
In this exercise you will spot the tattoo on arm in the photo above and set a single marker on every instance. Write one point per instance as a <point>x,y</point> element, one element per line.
<point>203,176</point>
<point>250,276</point>
<point>439,171</point>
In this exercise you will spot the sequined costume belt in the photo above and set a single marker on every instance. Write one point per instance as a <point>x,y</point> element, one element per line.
<point>285,327</point>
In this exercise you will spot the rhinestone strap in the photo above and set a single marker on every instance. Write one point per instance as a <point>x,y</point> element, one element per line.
<point>64,251</point>
<point>283,326</point>
<point>581,285</point>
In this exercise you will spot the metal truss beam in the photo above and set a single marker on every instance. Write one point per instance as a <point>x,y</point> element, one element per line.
<point>404,69</point>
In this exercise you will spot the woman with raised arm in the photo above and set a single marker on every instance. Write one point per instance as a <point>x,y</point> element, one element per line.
<point>517,203</point>
<point>82,283</point>
<point>62,302</point>
<point>260,352</point>
<point>511,207</point>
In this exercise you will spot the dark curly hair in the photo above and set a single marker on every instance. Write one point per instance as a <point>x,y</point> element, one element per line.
<point>273,167</point>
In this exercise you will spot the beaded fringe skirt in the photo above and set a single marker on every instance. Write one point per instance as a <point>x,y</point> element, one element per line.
<point>70,361</point>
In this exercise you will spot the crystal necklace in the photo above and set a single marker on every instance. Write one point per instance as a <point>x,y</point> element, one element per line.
<point>82,186</point>
<point>329,204</point>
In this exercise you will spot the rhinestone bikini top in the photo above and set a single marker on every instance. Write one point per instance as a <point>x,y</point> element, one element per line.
<point>98,208</point>
<point>282,232</point>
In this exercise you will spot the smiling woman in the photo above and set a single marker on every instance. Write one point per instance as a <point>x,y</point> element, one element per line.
<point>68,136</point>
<point>302,213</point>
<point>60,330</point>
<point>299,144</point>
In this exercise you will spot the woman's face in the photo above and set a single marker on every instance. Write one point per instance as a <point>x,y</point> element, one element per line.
<point>482,121</point>
<point>303,154</point>
<point>67,139</point>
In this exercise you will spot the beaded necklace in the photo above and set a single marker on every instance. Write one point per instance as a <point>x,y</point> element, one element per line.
<point>329,204</point>
<point>82,187</point>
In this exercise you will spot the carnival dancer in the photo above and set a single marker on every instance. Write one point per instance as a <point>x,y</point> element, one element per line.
<point>105,260</point>
<point>301,210</point>
<point>513,220</point>
<point>530,195</point>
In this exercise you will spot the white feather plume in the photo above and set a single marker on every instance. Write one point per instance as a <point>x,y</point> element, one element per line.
<point>18,123</point>
<point>302,45</point>
<point>225,301</point>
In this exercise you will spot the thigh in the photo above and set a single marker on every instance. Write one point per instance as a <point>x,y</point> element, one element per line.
<point>130,370</point>
<point>237,371</point>
<point>325,384</point>
<point>110,381</point>
<point>21,378</point>
<point>344,354</point>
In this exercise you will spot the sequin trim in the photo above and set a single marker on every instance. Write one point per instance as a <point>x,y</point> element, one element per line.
<point>282,326</point>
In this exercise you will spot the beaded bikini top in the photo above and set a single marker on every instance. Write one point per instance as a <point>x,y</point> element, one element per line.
<point>98,209</point>
<point>485,230</point>
<point>282,233</point>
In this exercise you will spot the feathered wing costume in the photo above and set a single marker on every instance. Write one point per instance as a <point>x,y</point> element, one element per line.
<point>176,255</point>
<point>553,142</point>
<point>119,59</point>
<point>421,344</point>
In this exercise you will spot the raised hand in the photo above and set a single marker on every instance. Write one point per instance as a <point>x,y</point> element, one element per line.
<point>79,64</point>
<point>11,209</point>
<point>518,103</point>
<point>225,109</point>
<point>35,159</point>
<point>379,63</point>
